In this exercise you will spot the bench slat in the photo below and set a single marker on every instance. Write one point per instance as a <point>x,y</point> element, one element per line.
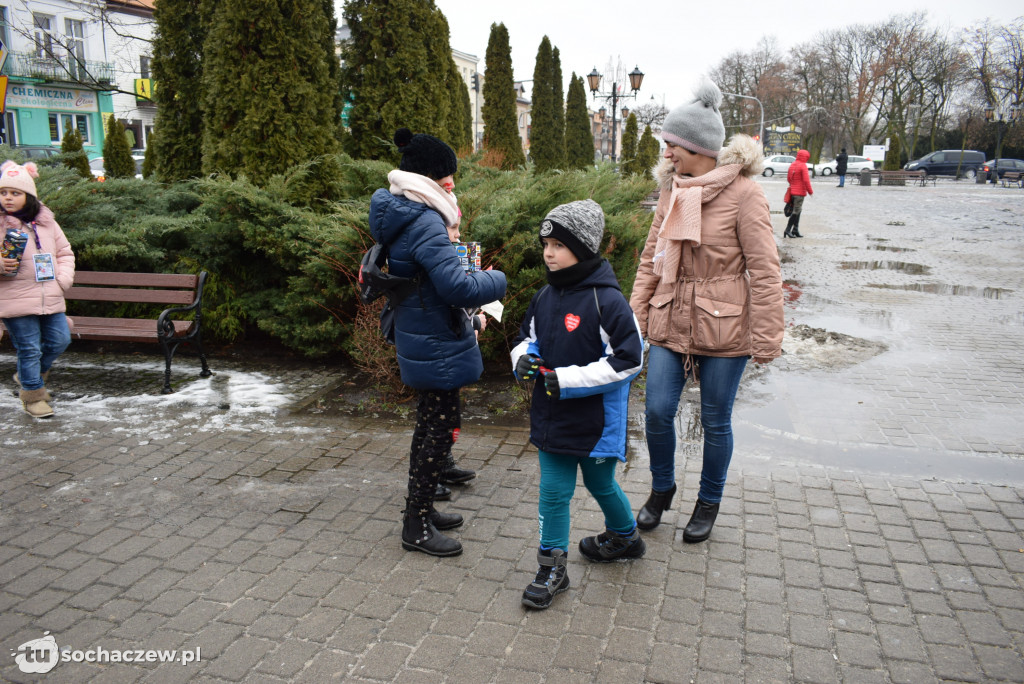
<point>113,294</point>
<point>120,329</point>
<point>177,280</point>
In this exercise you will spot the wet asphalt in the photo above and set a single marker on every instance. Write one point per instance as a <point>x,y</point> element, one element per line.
<point>871,530</point>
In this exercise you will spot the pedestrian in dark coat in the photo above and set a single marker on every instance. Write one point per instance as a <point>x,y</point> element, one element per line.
<point>841,161</point>
<point>434,334</point>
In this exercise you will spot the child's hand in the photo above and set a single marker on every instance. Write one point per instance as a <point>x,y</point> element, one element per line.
<point>551,383</point>
<point>528,366</point>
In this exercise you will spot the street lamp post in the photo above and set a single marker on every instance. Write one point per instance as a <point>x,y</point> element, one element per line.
<point>636,77</point>
<point>760,131</point>
<point>1002,117</point>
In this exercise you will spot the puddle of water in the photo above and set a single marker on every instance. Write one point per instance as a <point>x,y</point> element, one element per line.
<point>944,289</point>
<point>888,248</point>
<point>901,266</point>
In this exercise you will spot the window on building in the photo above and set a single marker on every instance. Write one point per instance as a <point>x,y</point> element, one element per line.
<point>42,36</point>
<point>4,33</point>
<point>144,66</point>
<point>74,36</point>
<point>60,121</point>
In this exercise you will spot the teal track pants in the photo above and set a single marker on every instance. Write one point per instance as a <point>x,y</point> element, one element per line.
<point>557,486</point>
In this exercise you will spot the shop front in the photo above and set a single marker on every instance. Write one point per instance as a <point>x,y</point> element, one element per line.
<point>38,114</point>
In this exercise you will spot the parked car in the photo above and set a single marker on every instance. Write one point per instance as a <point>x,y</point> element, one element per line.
<point>993,171</point>
<point>946,163</point>
<point>779,164</point>
<point>854,165</point>
<point>96,165</point>
<point>37,152</point>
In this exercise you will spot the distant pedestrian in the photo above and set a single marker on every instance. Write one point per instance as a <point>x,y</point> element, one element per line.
<point>32,287</point>
<point>434,335</point>
<point>799,187</point>
<point>708,296</point>
<point>841,161</point>
<point>581,343</point>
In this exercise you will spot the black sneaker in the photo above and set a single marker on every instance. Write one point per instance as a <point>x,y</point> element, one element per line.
<point>611,546</point>
<point>552,579</point>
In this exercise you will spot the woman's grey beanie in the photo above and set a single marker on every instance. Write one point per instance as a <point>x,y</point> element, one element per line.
<point>697,125</point>
<point>577,225</point>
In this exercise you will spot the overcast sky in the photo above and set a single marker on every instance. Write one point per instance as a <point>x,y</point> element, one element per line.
<point>675,41</point>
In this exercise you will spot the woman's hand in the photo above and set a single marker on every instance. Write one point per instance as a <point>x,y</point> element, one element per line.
<point>761,360</point>
<point>8,265</point>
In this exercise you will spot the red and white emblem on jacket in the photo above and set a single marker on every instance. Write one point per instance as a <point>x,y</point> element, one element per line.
<point>572,321</point>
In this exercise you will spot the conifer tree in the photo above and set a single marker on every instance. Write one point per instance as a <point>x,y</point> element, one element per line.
<point>579,139</point>
<point>558,98</point>
<point>649,151</point>
<point>117,155</point>
<point>396,71</point>
<point>74,156</point>
<point>501,135</point>
<point>149,158</point>
<point>178,70</point>
<point>627,158</point>
<point>459,123</point>
<point>544,139</point>
<point>269,102</point>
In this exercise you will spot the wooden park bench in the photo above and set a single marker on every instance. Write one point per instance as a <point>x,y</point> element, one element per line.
<point>185,291</point>
<point>1013,178</point>
<point>900,177</point>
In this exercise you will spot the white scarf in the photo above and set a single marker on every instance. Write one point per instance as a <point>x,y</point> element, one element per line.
<point>421,189</point>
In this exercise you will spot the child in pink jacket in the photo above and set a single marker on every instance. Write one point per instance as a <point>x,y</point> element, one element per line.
<point>32,286</point>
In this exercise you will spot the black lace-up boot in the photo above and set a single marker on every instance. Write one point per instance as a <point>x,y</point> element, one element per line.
<point>552,579</point>
<point>611,546</point>
<point>649,516</point>
<point>453,474</point>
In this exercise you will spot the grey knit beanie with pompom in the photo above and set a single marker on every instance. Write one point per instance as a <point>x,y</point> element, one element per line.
<point>697,125</point>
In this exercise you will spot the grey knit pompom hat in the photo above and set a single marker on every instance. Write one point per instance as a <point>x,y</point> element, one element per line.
<point>697,125</point>
<point>577,225</point>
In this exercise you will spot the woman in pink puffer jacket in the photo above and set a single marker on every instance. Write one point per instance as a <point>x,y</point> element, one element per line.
<point>32,287</point>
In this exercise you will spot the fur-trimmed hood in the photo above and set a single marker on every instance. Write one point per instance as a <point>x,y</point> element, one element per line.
<point>742,149</point>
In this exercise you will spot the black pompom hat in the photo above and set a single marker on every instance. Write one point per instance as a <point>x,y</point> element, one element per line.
<point>426,155</point>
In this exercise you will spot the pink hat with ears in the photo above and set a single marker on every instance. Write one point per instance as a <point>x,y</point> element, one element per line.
<point>18,177</point>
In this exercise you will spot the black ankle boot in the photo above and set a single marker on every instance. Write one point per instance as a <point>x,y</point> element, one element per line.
<point>649,516</point>
<point>445,521</point>
<point>795,233</point>
<point>552,579</point>
<point>442,493</point>
<point>454,475</point>
<point>419,534</point>
<point>701,522</point>
<point>611,546</point>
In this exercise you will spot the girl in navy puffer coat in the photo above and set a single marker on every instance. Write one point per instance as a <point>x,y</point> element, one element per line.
<point>434,336</point>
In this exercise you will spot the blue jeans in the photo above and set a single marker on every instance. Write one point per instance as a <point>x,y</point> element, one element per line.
<point>557,485</point>
<point>719,381</point>
<point>842,179</point>
<point>39,340</point>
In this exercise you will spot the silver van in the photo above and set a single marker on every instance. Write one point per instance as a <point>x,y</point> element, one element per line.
<point>947,162</point>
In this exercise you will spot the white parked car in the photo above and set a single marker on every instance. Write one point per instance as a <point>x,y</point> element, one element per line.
<point>854,165</point>
<point>779,164</point>
<point>96,165</point>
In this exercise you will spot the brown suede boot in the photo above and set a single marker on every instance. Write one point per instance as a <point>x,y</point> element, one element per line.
<point>35,404</point>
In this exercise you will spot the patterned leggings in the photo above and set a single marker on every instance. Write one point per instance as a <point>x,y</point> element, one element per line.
<point>437,415</point>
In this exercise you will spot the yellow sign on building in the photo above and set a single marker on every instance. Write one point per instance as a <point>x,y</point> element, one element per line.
<point>144,88</point>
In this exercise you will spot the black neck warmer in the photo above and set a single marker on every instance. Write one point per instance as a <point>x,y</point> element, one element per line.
<point>567,277</point>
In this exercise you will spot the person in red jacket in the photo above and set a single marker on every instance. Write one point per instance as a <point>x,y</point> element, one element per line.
<point>799,187</point>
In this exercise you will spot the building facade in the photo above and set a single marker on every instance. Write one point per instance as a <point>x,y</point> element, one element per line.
<point>467,66</point>
<point>73,63</point>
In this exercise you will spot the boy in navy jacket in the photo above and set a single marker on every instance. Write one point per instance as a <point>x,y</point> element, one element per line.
<point>581,343</point>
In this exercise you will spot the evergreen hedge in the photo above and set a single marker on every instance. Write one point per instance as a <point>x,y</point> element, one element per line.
<point>282,258</point>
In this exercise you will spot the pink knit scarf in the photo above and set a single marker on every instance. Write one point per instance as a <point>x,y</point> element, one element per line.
<point>683,219</point>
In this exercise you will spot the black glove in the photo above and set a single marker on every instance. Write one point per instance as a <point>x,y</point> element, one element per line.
<point>551,384</point>
<point>528,366</point>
